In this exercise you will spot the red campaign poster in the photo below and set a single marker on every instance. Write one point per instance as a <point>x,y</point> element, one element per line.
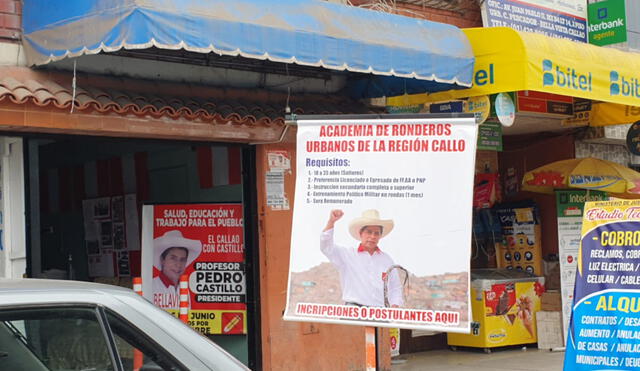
<point>205,242</point>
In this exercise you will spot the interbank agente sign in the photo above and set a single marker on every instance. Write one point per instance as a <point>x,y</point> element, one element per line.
<point>607,22</point>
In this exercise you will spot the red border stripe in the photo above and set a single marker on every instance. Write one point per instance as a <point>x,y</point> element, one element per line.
<point>235,166</point>
<point>115,176</point>
<point>142,176</point>
<point>205,166</point>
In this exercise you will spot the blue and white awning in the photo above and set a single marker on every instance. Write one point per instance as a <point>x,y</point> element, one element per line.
<point>426,56</point>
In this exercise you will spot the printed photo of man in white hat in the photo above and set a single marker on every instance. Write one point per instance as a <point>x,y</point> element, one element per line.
<point>363,269</point>
<point>172,254</point>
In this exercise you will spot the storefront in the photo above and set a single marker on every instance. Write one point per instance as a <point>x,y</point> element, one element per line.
<point>556,87</point>
<point>558,92</point>
<point>511,61</point>
<point>106,151</point>
<point>110,114</point>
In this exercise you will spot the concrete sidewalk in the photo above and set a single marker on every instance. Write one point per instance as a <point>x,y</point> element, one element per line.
<point>513,359</point>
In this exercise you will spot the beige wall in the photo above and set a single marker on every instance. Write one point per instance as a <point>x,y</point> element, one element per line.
<point>467,13</point>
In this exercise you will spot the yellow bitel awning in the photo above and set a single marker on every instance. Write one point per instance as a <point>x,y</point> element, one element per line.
<point>509,60</point>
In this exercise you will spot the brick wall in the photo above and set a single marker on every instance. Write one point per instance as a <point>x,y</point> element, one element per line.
<point>10,20</point>
<point>468,14</point>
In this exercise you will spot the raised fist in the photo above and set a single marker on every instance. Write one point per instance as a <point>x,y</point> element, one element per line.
<point>335,215</point>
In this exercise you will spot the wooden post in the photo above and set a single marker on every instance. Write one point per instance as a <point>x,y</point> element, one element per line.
<point>138,357</point>
<point>137,285</point>
<point>184,298</point>
<point>370,343</point>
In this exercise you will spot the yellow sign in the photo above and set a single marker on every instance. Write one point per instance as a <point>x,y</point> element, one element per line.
<point>216,322</point>
<point>524,215</point>
<point>508,60</point>
<point>604,114</point>
<point>394,341</point>
<point>598,213</point>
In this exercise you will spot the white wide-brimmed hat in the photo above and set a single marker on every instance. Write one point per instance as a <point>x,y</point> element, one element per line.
<point>369,217</point>
<point>175,239</point>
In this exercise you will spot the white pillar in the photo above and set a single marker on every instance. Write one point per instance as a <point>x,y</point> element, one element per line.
<point>13,255</point>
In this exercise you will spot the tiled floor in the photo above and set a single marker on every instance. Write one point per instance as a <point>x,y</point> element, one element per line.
<point>514,359</point>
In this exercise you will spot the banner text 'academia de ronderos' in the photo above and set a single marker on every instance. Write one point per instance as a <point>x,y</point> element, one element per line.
<point>382,222</point>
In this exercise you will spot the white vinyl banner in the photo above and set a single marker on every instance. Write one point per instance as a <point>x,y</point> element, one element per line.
<point>382,222</point>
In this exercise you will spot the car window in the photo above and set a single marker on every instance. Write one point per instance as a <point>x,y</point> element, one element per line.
<point>65,338</point>
<point>136,350</point>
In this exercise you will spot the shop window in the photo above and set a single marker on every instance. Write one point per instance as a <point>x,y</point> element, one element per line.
<point>53,339</point>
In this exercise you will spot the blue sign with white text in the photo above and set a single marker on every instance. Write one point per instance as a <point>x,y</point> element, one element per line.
<point>530,17</point>
<point>454,106</point>
<point>604,332</point>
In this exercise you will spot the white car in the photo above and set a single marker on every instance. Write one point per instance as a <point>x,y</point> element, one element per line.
<point>70,325</point>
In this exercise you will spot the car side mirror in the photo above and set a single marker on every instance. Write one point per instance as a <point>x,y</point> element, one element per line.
<point>151,367</point>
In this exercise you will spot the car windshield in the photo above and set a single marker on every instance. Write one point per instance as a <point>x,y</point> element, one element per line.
<point>15,350</point>
<point>66,338</point>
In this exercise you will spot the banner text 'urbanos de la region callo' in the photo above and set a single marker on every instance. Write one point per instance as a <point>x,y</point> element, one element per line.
<point>382,222</point>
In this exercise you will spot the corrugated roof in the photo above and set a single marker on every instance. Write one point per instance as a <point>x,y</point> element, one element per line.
<point>126,96</point>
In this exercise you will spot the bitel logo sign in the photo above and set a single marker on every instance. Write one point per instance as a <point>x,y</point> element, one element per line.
<point>625,86</point>
<point>564,77</point>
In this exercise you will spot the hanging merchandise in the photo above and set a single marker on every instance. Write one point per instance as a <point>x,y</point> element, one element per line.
<point>487,237</point>
<point>492,222</point>
<point>521,230</point>
<point>486,190</point>
<point>478,260</point>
